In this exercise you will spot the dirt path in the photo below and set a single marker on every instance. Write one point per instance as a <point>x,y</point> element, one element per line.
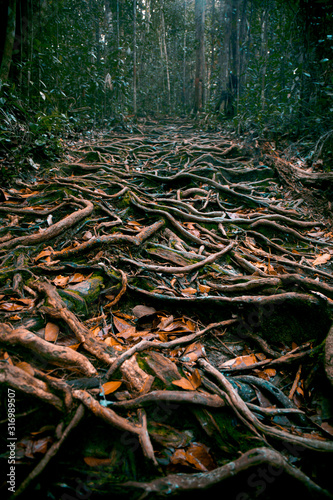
<point>165,299</point>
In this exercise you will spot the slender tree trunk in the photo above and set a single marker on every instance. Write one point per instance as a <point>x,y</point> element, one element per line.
<point>184,57</point>
<point>134,57</point>
<point>9,41</point>
<point>200,54</point>
<point>224,54</point>
<point>166,59</point>
<point>264,55</point>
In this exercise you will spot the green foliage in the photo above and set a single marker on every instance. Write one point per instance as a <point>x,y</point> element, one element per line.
<point>73,67</point>
<point>27,137</point>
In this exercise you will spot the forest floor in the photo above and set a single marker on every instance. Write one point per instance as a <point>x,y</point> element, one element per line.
<point>166,299</point>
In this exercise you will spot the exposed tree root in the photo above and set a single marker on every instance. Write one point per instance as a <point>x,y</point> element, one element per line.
<point>185,302</point>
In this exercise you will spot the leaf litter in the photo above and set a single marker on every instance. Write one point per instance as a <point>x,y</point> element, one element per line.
<point>226,335</point>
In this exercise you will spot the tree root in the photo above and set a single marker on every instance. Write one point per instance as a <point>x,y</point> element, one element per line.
<point>177,483</point>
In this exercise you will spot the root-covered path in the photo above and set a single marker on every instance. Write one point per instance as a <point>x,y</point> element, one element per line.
<point>166,301</point>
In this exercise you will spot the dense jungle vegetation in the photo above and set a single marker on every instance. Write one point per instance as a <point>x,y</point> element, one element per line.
<point>68,66</point>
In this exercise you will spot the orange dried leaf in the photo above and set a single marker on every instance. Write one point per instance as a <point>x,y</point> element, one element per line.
<point>111,386</point>
<point>97,462</point>
<point>10,306</point>
<point>184,384</point>
<point>246,360</point>
<point>7,358</point>
<point>204,288</point>
<point>61,281</point>
<point>321,259</point>
<point>189,291</point>
<point>26,367</point>
<point>121,324</point>
<point>78,277</point>
<point>191,383</point>
<point>129,332</point>
<point>74,347</point>
<point>43,253</point>
<point>193,352</point>
<point>199,457</point>
<point>51,332</point>
<point>111,342</point>
<point>260,356</point>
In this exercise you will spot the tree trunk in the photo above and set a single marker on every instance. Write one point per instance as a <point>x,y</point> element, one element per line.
<point>184,58</point>
<point>200,54</point>
<point>166,60</point>
<point>9,41</point>
<point>134,57</point>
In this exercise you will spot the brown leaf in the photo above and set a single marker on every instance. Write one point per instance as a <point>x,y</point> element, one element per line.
<point>191,383</point>
<point>78,278</point>
<point>111,386</point>
<point>199,457</point>
<point>271,372</point>
<point>176,326</point>
<point>321,259</point>
<point>74,346</point>
<point>87,236</point>
<point>196,456</point>
<point>51,332</point>
<point>44,253</point>
<point>189,291</point>
<point>10,306</point>
<point>61,281</point>
<point>327,427</point>
<point>140,311</point>
<point>193,352</point>
<point>246,360</point>
<point>204,288</point>
<point>121,324</point>
<point>97,462</point>
<point>7,358</point>
<point>26,367</point>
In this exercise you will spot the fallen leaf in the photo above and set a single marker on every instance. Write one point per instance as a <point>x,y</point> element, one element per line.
<point>189,291</point>
<point>97,462</point>
<point>27,302</point>
<point>204,288</point>
<point>111,342</point>
<point>321,259</point>
<point>44,253</point>
<point>74,346</point>
<point>78,278</point>
<point>271,372</point>
<point>10,306</point>
<point>191,383</point>
<point>61,281</point>
<point>260,356</point>
<point>7,358</point>
<point>26,367</point>
<point>87,236</point>
<point>111,386</point>
<point>196,456</point>
<point>327,427</point>
<point>141,311</point>
<point>246,360</point>
<point>121,324</point>
<point>51,332</point>
<point>193,352</point>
